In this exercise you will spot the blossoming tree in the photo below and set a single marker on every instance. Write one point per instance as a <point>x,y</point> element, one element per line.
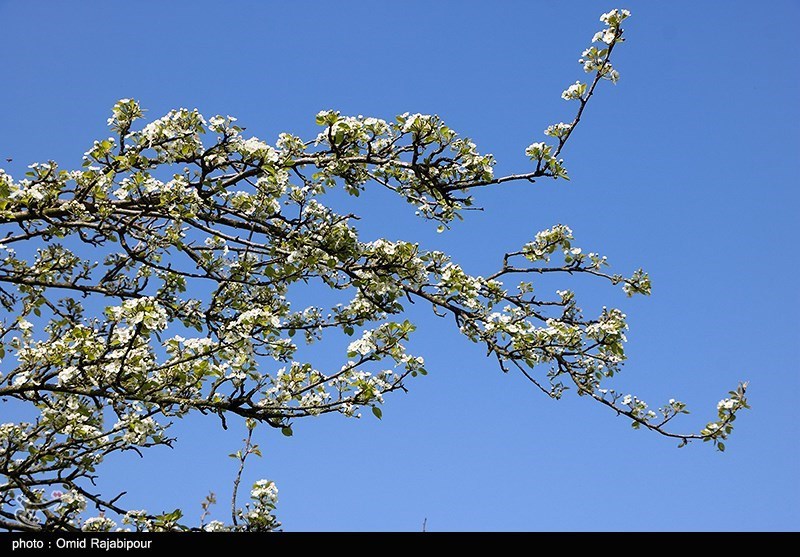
<point>155,282</point>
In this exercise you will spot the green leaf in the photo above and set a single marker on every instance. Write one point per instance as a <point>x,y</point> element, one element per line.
<point>721,447</point>
<point>287,431</point>
<point>173,516</point>
<point>377,411</point>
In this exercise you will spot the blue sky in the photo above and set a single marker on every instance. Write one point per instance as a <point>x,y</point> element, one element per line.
<point>688,168</point>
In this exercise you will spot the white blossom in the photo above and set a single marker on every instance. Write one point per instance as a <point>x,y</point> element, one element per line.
<point>215,526</point>
<point>98,524</point>
<point>574,91</point>
<point>558,130</point>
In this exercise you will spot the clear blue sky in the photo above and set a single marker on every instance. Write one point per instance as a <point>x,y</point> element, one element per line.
<point>688,168</point>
